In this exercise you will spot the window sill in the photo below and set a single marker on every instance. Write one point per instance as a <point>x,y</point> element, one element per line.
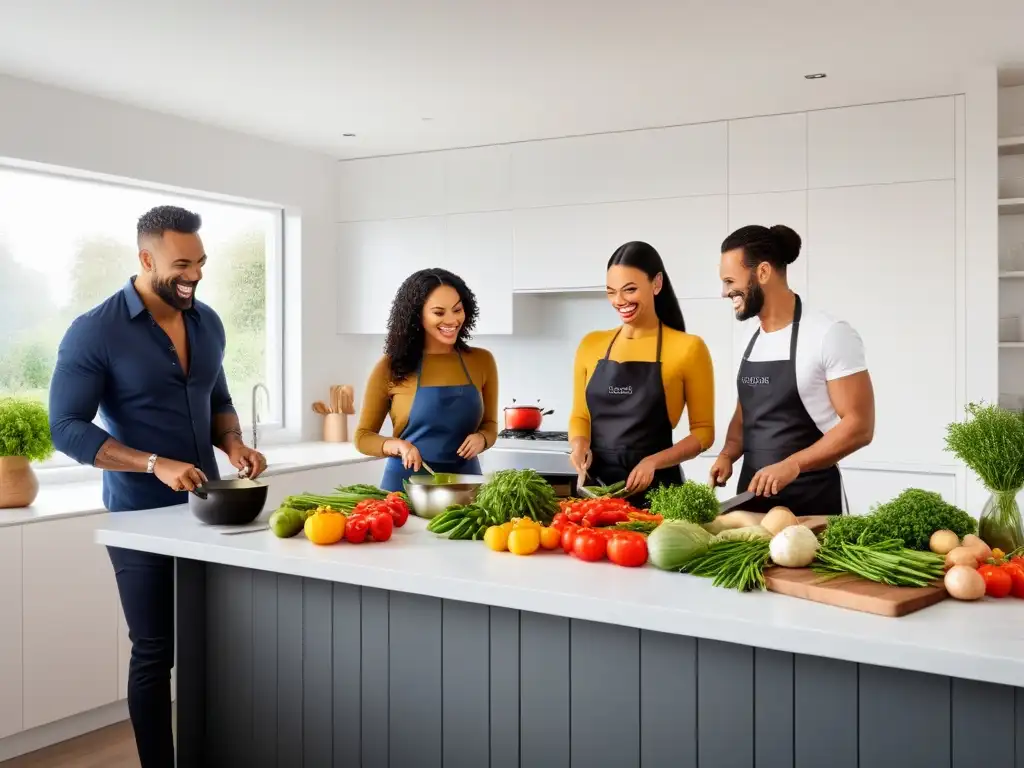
<point>84,496</point>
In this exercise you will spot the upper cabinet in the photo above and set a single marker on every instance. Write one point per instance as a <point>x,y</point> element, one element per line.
<point>477,179</point>
<point>636,165</point>
<point>881,143</point>
<point>567,247</point>
<point>398,187</point>
<point>478,248</point>
<point>768,154</point>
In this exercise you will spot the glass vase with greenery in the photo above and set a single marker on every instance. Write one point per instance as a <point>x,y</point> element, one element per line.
<point>991,442</point>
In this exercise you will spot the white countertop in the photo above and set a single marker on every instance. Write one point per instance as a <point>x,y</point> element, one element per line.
<point>58,500</point>
<point>979,641</point>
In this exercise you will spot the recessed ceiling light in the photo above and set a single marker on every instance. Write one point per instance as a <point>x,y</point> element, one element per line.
<point>349,135</point>
<point>816,76</point>
<point>426,119</point>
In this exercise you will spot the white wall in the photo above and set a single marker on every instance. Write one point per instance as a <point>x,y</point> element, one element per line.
<point>899,239</point>
<point>58,128</point>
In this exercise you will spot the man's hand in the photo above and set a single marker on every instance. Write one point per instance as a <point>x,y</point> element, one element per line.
<point>641,477</point>
<point>178,475</point>
<point>248,461</point>
<point>773,478</point>
<point>721,471</point>
<point>472,446</point>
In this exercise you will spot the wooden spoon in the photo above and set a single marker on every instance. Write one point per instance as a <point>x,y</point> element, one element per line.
<point>319,407</point>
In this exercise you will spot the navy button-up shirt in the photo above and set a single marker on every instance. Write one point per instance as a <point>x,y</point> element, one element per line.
<point>117,360</point>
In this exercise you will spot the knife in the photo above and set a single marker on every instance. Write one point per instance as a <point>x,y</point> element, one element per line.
<point>735,501</point>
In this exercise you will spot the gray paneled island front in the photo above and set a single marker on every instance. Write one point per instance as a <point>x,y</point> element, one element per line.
<point>425,652</point>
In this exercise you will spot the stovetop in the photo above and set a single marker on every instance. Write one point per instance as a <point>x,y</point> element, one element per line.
<point>552,437</point>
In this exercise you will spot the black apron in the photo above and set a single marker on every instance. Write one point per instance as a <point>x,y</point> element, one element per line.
<point>775,426</point>
<point>628,420</point>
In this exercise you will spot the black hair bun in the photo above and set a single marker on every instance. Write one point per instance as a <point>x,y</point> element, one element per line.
<point>787,241</point>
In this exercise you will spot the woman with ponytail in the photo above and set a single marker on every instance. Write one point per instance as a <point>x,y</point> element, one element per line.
<point>633,382</point>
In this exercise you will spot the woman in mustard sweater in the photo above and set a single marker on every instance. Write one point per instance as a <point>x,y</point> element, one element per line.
<point>633,382</point>
<point>441,395</point>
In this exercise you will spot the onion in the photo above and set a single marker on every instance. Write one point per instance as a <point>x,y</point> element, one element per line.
<point>943,542</point>
<point>964,583</point>
<point>962,556</point>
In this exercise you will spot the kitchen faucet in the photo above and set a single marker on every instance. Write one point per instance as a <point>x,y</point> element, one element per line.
<point>255,411</point>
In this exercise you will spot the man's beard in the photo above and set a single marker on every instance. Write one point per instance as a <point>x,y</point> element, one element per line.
<point>167,290</point>
<point>753,301</point>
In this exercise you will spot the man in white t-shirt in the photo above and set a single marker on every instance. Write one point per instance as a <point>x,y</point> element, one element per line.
<point>805,395</point>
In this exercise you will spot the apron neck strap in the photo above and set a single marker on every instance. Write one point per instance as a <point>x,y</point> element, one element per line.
<point>797,313</point>
<point>462,362</point>
<point>608,353</point>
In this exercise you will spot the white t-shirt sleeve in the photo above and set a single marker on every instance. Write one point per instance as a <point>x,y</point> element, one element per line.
<point>842,352</point>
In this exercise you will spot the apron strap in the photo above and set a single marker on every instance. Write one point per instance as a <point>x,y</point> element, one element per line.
<point>465,370</point>
<point>797,313</point>
<point>608,353</point>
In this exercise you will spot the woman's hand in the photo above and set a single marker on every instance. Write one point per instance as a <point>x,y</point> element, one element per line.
<point>581,458</point>
<point>408,452</point>
<point>472,446</point>
<point>641,477</point>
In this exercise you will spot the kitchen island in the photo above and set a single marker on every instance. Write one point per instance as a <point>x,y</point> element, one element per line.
<point>426,652</point>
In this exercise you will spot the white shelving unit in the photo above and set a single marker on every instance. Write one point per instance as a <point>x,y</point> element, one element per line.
<point>1011,246</point>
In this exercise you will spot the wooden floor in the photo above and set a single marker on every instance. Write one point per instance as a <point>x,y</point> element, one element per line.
<point>112,747</point>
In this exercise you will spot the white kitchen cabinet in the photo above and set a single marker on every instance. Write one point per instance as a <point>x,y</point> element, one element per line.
<point>397,187</point>
<point>70,652</point>
<point>568,247</point>
<point>884,261</point>
<point>374,258</point>
<point>768,154</point>
<point>635,165</point>
<point>10,631</point>
<point>477,179</point>
<point>789,208</point>
<point>881,143</point>
<point>478,248</point>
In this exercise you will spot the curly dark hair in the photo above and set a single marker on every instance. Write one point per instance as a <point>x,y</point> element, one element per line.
<point>404,343</point>
<point>156,221</point>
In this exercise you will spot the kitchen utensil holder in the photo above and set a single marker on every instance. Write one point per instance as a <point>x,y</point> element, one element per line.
<point>335,428</point>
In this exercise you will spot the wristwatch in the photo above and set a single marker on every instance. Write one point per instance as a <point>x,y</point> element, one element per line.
<point>151,464</point>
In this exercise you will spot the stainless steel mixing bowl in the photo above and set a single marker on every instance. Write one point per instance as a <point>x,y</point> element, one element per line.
<point>429,498</point>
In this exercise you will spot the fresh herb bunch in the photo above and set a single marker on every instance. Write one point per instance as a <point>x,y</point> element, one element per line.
<point>991,442</point>
<point>886,562</point>
<point>911,518</point>
<point>512,493</point>
<point>691,501</point>
<point>736,564</point>
<point>24,429</point>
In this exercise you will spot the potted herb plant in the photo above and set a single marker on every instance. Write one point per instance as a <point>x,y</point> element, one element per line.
<point>24,438</point>
<point>991,442</point>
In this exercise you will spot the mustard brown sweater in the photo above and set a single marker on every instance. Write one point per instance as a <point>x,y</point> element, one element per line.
<point>384,399</point>
<point>686,372</point>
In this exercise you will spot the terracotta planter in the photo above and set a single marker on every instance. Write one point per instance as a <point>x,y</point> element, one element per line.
<point>18,484</point>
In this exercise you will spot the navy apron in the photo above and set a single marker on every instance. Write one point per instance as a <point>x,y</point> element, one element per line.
<point>440,420</point>
<point>775,426</point>
<point>628,420</point>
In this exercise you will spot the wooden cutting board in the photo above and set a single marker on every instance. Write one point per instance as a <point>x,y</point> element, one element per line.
<point>850,591</point>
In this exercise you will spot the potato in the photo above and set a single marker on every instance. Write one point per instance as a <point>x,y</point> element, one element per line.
<point>779,518</point>
<point>943,542</point>
<point>975,543</point>
<point>962,556</point>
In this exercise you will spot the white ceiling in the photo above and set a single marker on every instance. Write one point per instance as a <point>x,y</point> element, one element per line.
<point>492,71</point>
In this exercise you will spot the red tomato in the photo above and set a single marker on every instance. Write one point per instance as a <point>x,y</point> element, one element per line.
<point>628,549</point>
<point>574,515</point>
<point>589,546</point>
<point>568,537</point>
<point>381,525</point>
<point>560,519</point>
<point>1016,571</point>
<point>998,581</point>
<point>356,528</point>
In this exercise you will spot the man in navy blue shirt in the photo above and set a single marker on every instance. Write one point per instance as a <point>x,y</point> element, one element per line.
<point>149,360</point>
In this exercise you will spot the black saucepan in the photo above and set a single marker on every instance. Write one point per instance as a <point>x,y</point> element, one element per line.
<point>228,502</point>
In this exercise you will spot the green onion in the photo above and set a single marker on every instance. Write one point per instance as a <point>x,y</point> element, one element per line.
<point>736,564</point>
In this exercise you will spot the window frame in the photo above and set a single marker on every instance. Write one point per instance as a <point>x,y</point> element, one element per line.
<point>60,468</point>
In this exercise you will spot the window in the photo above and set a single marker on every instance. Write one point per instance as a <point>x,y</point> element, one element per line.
<point>66,244</point>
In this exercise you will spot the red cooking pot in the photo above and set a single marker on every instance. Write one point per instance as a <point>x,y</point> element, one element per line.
<point>524,418</point>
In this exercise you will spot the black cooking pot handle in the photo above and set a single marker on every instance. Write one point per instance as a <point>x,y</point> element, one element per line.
<point>200,493</point>
<point>547,413</point>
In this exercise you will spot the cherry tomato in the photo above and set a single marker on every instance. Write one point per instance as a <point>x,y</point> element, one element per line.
<point>356,528</point>
<point>560,519</point>
<point>627,548</point>
<point>589,546</point>
<point>998,581</point>
<point>568,537</point>
<point>381,525</point>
